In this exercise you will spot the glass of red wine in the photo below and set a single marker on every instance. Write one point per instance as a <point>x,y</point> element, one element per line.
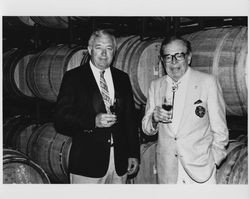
<point>168,106</point>
<point>113,106</point>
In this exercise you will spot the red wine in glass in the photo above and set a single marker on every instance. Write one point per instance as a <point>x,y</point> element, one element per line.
<point>113,107</point>
<point>167,107</point>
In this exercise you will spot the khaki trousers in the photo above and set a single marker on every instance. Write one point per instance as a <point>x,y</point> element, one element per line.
<point>184,178</point>
<point>110,177</point>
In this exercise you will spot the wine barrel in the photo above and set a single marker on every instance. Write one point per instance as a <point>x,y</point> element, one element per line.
<point>234,169</point>
<point>140,60</point>
<point>144,66</point>
<point>17,131</point>
<point>147,173</point>
<point>9,126</point>
<point>19,169</point>
<point>50,150</point>
<point>26,20</point>
<point>15,87</point>
<point>45,70</point>
<point>52,22</point>
<point>10,153</point>
<point>123,47</point>
<point>55,22</point>
<point>18,23</point>
<point>223,52</point>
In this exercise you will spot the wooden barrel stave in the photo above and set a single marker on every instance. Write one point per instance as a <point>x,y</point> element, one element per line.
<point>140,60</point>
<point>11,153</point>
<point>120,59</point>
<point>30,76</point>
<point>39,151</point>
<point>46,70</point>
<point>226,169</point>
<point>26,20</point>
<point>19,23</point>
<point>145,66</point>
<point>65,60</point>
<point>126,64</point>
<point>147,173</point>
<point>238,173</point>
<point>8,127</point>
<point>123,47</point>
<point>51,151</point>
<point>42,72</point>
<point>17,131</point>
<point>22,138</point>
<point>234,166</point>
<point>15,62</point>
<point>12,127</point>
<point>52,22</point>
<point>19,169</point>
<point>223,52</point>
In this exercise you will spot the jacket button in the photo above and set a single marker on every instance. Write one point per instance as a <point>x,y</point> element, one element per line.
<point>175,138</point>
<point>176,155</point>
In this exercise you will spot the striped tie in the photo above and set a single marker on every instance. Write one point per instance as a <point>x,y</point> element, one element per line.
<point>104,91</point>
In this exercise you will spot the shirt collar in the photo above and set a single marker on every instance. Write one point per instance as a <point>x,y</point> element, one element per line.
<point>97,70</point>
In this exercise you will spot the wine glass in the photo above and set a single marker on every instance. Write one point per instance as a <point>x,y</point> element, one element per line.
<point>113,106</point>
<point>168,106</point>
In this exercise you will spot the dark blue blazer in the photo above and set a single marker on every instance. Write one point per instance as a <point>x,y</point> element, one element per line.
<point>78,103</point>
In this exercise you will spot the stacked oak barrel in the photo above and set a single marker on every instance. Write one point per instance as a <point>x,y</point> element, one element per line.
<point>31,75</point>
<point>20,169</point>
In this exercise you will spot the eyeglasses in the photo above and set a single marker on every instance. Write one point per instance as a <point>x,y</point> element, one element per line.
<point>178,57</point>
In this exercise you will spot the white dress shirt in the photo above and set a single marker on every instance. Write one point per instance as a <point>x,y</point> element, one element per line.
<point>179,97</point>
<point>107,77</point>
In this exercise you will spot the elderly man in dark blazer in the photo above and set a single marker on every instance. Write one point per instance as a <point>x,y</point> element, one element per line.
<point>105,145</point>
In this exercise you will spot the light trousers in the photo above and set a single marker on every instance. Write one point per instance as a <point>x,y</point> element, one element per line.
<point>110,177</point>
<point>184,178</point>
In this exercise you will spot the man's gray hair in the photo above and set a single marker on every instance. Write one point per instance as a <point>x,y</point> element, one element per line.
<point>101,32</point>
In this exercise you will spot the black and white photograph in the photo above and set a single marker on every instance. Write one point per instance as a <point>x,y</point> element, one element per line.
<point>152,103</point>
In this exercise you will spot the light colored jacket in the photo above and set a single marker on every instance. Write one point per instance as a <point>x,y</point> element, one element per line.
<point>200,140</point>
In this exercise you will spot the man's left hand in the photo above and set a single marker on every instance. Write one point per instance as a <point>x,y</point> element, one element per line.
<point>133,165</point>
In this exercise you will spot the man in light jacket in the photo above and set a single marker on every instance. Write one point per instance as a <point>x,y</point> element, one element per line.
<point>193,134</point>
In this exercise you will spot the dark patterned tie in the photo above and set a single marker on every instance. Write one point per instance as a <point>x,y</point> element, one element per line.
<point>104,91</point>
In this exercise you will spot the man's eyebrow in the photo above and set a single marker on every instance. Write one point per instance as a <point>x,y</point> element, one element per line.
<point>173,54</point>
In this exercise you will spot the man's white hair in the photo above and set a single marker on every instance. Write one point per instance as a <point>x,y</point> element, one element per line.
<point>99,33</point>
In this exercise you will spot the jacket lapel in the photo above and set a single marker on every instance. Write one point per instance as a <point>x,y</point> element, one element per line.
<point>97,101</point>
<point>116,83</point>
<point>192,94</point>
